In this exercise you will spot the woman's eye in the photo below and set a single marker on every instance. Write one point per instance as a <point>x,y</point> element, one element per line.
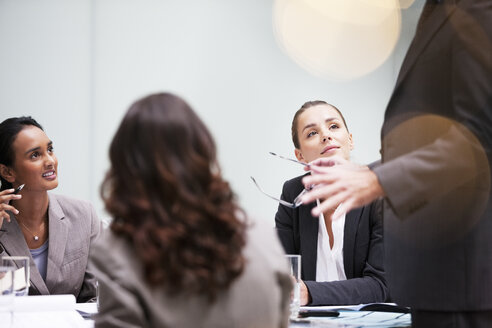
<point>51,149</point>
<point>312,133</point>
<point>334,126</point>
<point>35,155</point>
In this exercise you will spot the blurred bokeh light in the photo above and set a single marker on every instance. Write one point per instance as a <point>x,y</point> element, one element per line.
<point>337,39</point>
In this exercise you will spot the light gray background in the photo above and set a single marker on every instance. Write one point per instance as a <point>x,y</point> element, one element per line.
<point>76,66</point>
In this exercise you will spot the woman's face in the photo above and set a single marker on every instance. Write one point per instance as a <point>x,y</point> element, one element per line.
<point>322,134</point>
<point>35,163</point>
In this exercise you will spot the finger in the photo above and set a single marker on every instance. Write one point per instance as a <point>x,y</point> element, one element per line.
<point>320,169</point>
<point>323,191</point>
<point>6,207</point>
<point>328,161</point>
<point>4,215</point>
<point>7,191</point>
<point>330,203</point>
<point>344,208</point>
<point>323,161</point>
<point>7,198</point>
<point>325,178</point>
<point>11,196</point>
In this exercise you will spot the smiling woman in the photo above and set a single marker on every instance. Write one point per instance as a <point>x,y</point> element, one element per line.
<point>40,225</point>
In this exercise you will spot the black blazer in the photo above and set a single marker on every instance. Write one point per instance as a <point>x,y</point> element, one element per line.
<point>435,171</point>
<point>363,251</point>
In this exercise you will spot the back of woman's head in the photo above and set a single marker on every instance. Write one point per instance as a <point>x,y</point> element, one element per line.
<point>9,129</point>
<point>167,197</point>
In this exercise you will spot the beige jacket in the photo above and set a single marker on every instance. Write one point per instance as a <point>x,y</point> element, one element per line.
<point>73,226</point>
<point>258,298</point>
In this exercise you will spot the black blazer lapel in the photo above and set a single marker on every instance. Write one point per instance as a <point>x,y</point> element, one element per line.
<point>352,219</point>
<point>308,230</point>
<point>432,24</point>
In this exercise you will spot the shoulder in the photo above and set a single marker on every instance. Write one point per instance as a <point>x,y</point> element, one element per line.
<point>70,206</point>
<point>117,263</point>
<point>262,243</point>
<point>79,213</point>
<point>109,239</point>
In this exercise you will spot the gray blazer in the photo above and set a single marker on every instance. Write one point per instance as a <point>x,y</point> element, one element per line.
<point>73,226</point>
<point>257,298</point>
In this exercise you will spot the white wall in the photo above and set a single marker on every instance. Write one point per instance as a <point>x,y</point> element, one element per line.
<point>76,66</point>
<point>45,72</point>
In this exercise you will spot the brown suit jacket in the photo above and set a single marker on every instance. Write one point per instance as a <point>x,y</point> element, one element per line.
<point>435,171</point>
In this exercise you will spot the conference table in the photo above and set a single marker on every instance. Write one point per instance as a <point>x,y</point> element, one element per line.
<point>61,311</point>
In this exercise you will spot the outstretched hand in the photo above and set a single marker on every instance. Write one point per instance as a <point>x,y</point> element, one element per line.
<point>337,182</point>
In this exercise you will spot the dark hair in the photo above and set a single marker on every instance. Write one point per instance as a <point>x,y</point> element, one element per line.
<point>167,197</point>
<point>306,105</point>
<point>9,129</point>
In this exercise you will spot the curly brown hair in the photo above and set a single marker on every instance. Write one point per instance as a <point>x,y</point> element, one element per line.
<point>167,197</point>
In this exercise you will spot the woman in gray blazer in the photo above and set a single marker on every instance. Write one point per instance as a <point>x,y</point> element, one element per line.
<point>54,231</point>
<point>180,252</point>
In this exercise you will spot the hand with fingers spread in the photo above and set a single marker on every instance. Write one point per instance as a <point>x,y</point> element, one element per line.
<point>339,182</point>
<point>5,197</point>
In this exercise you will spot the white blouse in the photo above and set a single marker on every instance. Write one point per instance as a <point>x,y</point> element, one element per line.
<point>329,262</point>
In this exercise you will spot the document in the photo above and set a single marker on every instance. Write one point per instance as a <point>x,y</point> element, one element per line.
<point>53,311</point>
<point>377,307</point>
<point>362,315</point>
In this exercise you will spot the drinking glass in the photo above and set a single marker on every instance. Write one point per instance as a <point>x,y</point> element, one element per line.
<point>6,294</point>
<point>20,274</point>
<point>294,265</point>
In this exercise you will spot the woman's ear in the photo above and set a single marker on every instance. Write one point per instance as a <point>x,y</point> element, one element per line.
<point>351,141</point>
<point>7,173</point>
<point>299,156</point>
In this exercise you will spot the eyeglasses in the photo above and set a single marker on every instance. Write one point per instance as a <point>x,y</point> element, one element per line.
<point>297,201</point>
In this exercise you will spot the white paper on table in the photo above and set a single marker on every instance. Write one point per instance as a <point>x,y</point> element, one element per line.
<point>40,303</point>
<point>90,308</point>
<point>358,307</point>
<point>57,311</point>
<point>48,319</point>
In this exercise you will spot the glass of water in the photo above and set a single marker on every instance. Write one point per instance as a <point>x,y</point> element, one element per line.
<point>20,274</point>
<point>294,265</point>
<point>6,294</point>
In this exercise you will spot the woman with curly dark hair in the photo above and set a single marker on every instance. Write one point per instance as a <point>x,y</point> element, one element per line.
<point>180,252</point>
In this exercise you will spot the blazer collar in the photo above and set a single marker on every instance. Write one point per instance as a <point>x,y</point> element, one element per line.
<point>13,242</point>
<point>308,230</point>
<point>309,234</point>
<point>439,15</point>
<point>57,240</point>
